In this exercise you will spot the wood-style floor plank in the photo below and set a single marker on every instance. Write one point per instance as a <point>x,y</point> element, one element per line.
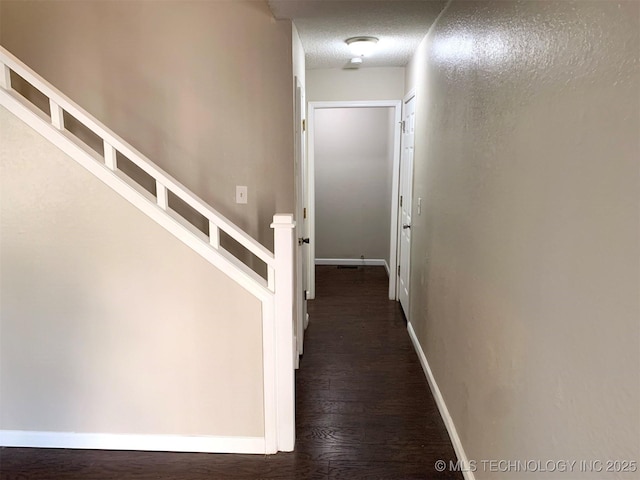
<point>364,409</point>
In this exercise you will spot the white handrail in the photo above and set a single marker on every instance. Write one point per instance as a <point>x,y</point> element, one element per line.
<point>117,143</point>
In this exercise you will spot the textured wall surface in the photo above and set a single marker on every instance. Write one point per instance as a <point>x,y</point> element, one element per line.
<point>110,324</point>
<point>525,258</point>
<point>204,89</point>
<point>353,175</point>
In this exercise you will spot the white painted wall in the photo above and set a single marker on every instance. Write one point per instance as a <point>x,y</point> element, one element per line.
<point>297,56</point>
<point>334,84</point>
<point>109,323</point>
<point>525,258</point>
<point>353,173</point>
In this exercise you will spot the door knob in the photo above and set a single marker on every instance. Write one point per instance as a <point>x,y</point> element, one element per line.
<point>406,225</point>
<point>302,240</point>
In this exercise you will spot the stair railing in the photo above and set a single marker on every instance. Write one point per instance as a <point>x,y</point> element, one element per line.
<point>275,291</point>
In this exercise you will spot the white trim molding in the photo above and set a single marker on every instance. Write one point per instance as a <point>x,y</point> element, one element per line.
<point>375,262</point>
<point>393,238</point>
<point>154,443</point>
<point>442,407</point>
<point>286,351</point>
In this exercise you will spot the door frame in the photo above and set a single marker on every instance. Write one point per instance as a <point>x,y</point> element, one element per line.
<point>393,239</point>
<point>408,97</point>
<point>301,319</point>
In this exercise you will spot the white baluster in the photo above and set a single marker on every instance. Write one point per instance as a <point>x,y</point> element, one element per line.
<point>283,226</point>
<point>162,197</point>
<point>57,117</point>
<point>110,157</point>
<point>214,235</point>
<point>5,77</point>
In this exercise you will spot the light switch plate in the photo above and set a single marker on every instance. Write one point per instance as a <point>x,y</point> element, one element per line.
<point>241,194</point>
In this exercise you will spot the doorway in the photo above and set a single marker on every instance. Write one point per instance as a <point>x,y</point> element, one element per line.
<point>406,192</point>
<point>354,169</point>
<point>301,317</point>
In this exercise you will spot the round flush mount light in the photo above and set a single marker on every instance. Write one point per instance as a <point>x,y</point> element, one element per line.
<point>361,46</point>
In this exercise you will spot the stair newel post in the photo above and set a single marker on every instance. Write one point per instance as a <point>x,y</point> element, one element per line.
<point>283,226</point>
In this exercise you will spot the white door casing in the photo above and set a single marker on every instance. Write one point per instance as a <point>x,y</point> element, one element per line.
<point>406,186</point>
<point>310,160</point>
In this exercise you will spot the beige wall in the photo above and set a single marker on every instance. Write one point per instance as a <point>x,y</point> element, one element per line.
<point>353,165</point>
<point>110,324</point>
<point>525,258</point>
<point>334,84</point>
<point>204,89</point>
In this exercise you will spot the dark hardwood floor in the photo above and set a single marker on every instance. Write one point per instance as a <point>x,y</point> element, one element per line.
<point>364,409</point>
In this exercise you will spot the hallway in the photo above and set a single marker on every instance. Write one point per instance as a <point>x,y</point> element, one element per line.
<point>364,409</point>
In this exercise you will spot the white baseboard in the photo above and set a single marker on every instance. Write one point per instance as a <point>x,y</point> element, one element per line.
<point>109,441</point>
<point>442,407</point>
<point>376,262</point>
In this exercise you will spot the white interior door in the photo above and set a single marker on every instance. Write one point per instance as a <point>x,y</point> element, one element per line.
<point>301,223</point>
<point>406,184</point>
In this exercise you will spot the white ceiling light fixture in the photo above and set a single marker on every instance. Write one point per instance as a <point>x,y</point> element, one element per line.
<point>356,61</point>
<point>361,46</point>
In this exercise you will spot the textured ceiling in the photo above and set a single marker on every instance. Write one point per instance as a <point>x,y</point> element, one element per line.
<point>324,25</point>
